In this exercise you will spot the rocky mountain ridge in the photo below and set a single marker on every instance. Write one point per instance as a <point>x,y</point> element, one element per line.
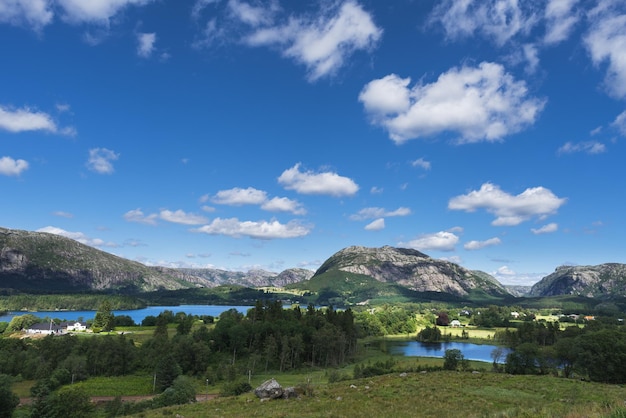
<point>411,269</point>
<point>603,280</point>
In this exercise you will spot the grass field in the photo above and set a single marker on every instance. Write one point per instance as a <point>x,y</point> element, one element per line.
<point>432,394</point>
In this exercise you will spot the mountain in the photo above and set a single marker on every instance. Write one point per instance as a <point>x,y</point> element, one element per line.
<point>359,271</point>
<point>253,278</point>
<point>43,262</point>
<point>591,281</point>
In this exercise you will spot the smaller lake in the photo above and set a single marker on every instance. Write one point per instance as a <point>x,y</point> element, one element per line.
<point>137,315</point>
<point>478,352</point>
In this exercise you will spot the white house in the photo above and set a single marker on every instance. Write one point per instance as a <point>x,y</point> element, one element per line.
<point>455,323</point>
<point>75,326</point>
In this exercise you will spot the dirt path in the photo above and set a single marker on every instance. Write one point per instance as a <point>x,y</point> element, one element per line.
<point>100,399</point>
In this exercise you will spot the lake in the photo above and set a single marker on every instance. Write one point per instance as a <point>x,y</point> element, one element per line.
<point>478,352</point>
<point>137,315</point>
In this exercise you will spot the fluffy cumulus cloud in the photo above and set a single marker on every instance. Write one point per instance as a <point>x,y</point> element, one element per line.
<point>376,225</point>
<point>509,209</point>
<point>374,212</point>
<point>181,217</point>
<point>483,103</point>
<point>77,236</point>
<point>325,183</point>
<point>137,215</point>
<point>588,147</point>
<point>322,42</point>
<point>478,245</point>
<point>546,229</point>
<point>33,13</point>
<point>497,20</point>
<point>25,119</point>
<point>438,241</point>
<point>238,196</point>
<point>252,15</point>
<point>421,163</point>
<point>11,167</point>
<point>264,230</point>
<point>283,204</point>
<point>101,160</point>
<point>605,42</point>
<point>250,196</point>
<point>145,44</point>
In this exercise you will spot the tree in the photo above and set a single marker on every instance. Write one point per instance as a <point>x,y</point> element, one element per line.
<point>443,319</point>
<point>104,319</point>
<point>167,370</point>
<point>452,359</point>
<point>429,335</point>
<point>8,400</point>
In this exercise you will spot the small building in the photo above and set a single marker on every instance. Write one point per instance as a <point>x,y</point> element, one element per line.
<point>75,326</point>
<point>515,314</point>
<point>45,328</point>
<point>455,323</point>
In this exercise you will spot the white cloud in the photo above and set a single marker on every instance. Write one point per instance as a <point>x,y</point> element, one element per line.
<point>620,123</point>
<point>371,213</point>
<point>199,6</point>
<point>251,196</point>
<point>546,229</point>
<point>33,13</point>
<point>95,11</point>
<point>11,167</point>
<point>101,160</point>
<point>253,15</point>
<point>233,227</point>
<point>477,245</point>
<point>21,120</point>
<point>62,214</point>
<point>589,147</point>
<point>480,104</point>
<point>238,196</point>
<point>531,55</point>
<point>505,271</point>
<point>376,225</point>
<point>77,236</point>
<point>605,42</point>
<point>323,42</point>
<point>137,215</point>
<point>509,210</point>
<point>145,45</point>
<point>283,204</point>
<point>181,217</point>
<point>497,20</point>
<point>438,241</point>
<point>561,17</point>
<point>327,183</point>
<point>422,163</point>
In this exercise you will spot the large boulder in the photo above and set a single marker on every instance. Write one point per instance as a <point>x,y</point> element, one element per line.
<point>270,389</point>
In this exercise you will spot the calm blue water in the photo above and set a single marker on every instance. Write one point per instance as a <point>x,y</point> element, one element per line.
<point>137,315</point>
<point>478,352</point>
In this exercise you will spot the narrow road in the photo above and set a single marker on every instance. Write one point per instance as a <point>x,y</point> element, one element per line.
<point>100,399</point>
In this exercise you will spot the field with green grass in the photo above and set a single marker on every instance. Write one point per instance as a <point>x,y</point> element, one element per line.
<point>430,394</point>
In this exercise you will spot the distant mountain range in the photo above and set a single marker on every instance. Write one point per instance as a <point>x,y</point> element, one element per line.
<point>43,262</point>
<point>40,262</point>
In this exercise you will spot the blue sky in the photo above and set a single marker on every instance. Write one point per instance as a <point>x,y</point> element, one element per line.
<point>242,134</point>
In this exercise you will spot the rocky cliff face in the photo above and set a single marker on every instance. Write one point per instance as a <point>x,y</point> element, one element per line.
<point>411,269</point>
<point>591,281</point>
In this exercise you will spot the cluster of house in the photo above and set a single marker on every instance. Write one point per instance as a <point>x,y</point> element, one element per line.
<point>57,329</point>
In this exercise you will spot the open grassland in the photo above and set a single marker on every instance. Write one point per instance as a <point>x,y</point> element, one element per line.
<point>432,394</point>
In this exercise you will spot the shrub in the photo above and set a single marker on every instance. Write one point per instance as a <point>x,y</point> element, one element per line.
<point>235,388</point>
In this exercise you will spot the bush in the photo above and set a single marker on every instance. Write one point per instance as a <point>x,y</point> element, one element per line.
<point>235,388</point>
